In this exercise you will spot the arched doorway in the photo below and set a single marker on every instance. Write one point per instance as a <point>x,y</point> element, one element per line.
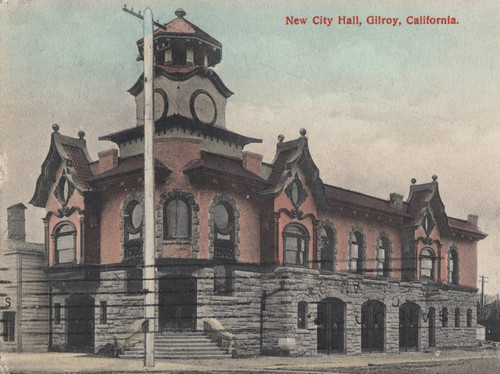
<point>330,321</point>
<point>409,321</point>
<point>177,307</point>
<point>372,326</point>
<point>80,314</point>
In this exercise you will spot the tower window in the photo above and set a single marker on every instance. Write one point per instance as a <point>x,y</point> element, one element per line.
<point>177,220</point>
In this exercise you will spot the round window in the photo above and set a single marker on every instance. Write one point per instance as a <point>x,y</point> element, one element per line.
<point>221,216</point>
<point>134,214</point>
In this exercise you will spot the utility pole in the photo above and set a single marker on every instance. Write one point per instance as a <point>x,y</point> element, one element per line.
<point>483,281</point>
<point>149,276</point>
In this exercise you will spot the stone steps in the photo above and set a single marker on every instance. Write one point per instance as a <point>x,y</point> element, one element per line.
<point>182,345</point>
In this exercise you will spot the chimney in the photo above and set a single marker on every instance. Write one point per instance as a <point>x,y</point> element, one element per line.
<point>16,223</point>
<point>396,200</point>
<point>473,219</point>
<point>108,160</point>
<point>252,162</point>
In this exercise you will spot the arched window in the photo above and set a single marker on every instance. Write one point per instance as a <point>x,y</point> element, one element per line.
<point>469,317</point>
<point>302,315</point>
<point>296,244</point>
<point>383,257</point>
<point>453,266</point>
<point>133,222</point>
<point>457,317</point>
<point>176,220</point>
<point>427,264</point>
<point>224,229</point>
<point>327,246</point>
<point>356,252</point>
<point>64,243</point>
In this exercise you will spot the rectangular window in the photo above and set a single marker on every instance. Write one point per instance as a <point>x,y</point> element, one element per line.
<point>223,280</point>
<point>133,283</point>
<point>469,317</point>
<point>9,326</point>
<point>457,317</point>
<point>57,313</point>
<point>302,315</point>
<point>444,317</point>
<point>103,312</point>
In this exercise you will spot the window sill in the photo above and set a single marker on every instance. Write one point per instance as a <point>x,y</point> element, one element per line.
<point>177,241</point>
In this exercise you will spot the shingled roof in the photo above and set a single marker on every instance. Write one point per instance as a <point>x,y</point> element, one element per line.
<point>73,152</point>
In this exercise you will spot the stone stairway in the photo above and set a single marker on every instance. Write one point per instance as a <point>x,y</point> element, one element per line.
<point>182,345</point>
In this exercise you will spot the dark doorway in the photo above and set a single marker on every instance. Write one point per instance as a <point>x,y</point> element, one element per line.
<point>80,314</point>
<point>372,326</point>
<point>409,318</point>
<point>331,326</point>
<point>432,327</point>
<point>177,303</point>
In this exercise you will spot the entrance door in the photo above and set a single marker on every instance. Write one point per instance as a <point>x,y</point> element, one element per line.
<point>372,326</point>
<point>80,323</point>
<point>178,303</point>
<point>432,327</point>
<point>331,326</point>
<point>409,315</point>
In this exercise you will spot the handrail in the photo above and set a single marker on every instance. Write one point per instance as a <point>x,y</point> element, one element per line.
<point>218,334</point>
<point>128,339</point>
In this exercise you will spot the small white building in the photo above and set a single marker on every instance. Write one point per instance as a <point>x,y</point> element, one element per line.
<point>23,289</point>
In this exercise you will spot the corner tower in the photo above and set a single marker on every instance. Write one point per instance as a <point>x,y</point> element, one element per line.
<point>184,83</point>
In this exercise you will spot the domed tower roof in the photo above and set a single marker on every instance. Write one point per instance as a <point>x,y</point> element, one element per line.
<point>182,43</point>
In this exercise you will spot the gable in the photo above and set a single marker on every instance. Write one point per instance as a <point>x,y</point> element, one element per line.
<point>72,156</point>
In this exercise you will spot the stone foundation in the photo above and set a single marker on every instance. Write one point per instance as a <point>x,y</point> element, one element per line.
<point>279,292</point>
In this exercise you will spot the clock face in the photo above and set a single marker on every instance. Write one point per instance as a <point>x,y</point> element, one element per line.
<point>203,107</point>
<point>160,104</point>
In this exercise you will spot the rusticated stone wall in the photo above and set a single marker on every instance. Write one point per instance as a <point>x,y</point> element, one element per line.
<point>278,292</point>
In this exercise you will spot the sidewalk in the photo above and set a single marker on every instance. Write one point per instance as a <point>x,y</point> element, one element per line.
<point>87,363</point>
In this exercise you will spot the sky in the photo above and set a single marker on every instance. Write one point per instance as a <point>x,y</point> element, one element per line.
<point>380,104</point>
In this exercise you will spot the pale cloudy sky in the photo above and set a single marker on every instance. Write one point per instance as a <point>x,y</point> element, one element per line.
<point>381,104</point>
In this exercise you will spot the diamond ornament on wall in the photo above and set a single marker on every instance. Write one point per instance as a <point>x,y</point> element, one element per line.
<point>64,190</point>
<point>296,192</point>
<point>428,224</point>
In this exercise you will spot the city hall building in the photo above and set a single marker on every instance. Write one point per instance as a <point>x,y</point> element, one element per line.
<point>286,263</point>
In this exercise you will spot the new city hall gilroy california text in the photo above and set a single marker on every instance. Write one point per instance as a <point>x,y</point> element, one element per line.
<point>265,258</point>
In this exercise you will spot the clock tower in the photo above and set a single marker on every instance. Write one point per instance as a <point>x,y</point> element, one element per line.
<point>184,83</point>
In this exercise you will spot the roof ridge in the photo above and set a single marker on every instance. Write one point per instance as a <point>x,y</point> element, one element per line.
<point>358,193</point>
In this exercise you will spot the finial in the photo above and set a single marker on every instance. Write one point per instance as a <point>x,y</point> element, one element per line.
<point>180,13</point>
<point>434,177</point>
<point>55,127</point>
<point>81,134</point>
<point>413,181</point>
<point>303,132</point>
<point>281,137</point>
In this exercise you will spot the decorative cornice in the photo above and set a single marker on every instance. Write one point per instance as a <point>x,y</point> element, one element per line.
<point>202,71</point>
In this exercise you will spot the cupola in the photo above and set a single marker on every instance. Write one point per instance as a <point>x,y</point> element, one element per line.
<point>180,43</point>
